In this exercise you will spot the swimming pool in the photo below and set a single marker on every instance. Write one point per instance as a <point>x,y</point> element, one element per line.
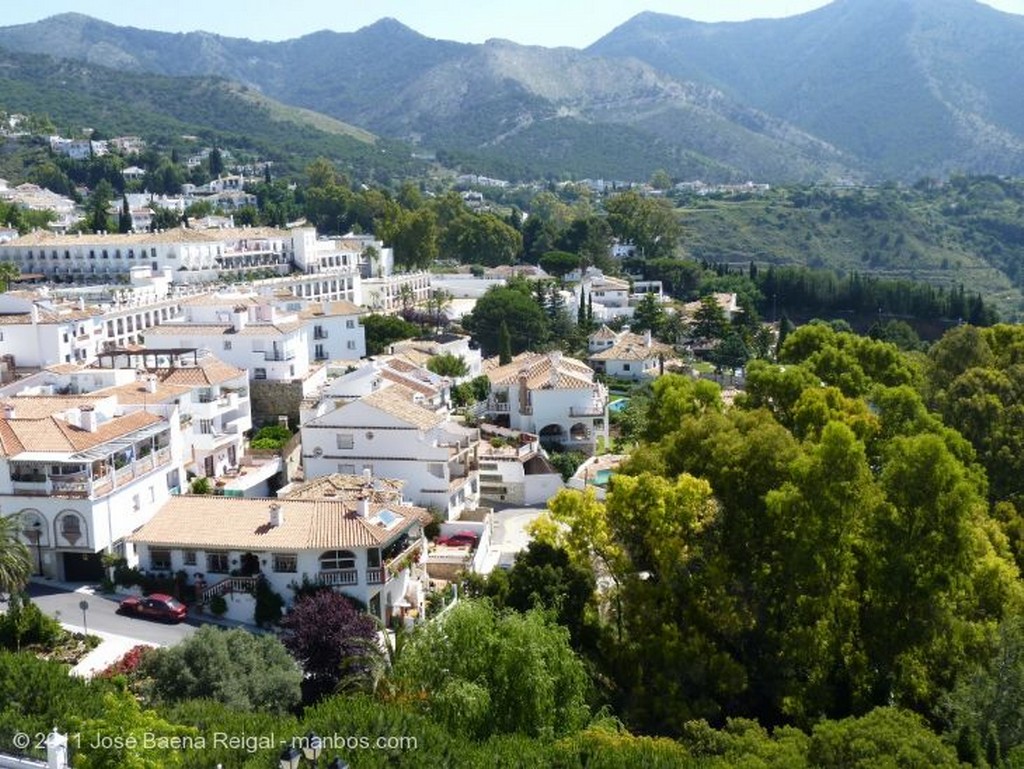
<point>618,405</point>
<point>601,477</point>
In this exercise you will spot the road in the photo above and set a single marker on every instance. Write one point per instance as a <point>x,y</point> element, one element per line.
<point>509,535</point>
<point>102,615</point>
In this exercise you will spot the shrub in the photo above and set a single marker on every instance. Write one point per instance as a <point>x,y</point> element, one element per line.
<point>24,624</point>
<point>235,667</point>
<point>268,604</point>
<point>218,605</point>
<point>128,664</point>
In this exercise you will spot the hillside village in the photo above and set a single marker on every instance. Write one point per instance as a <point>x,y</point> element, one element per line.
<point>318,446</point>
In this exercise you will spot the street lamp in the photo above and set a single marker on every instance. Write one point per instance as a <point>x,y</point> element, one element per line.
<point>312,748</point>
<point>37,537</point>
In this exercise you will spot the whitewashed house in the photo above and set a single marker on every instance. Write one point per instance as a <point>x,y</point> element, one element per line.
<point>391,433</point>
<point>550,395</point>
<point>81,476</point>
<point>626,355</point>
<point>369,550</point>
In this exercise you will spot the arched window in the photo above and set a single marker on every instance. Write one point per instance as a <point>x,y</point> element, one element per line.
<point>70,527</point>
<point>337,559</point>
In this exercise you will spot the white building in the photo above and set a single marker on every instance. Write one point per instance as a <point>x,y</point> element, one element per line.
<point>420,351</point>
<point>626,355</point>
<point>192,255</point>
<point>391,433</point>
<point>246,332</point>
<point>514,468</point>
<point>38,329</point>
<point>334,331</point>
<point>81,476</point>
<point>550,395</point>
<point>371,551</point>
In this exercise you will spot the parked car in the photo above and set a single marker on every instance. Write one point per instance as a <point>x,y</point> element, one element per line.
<point>459,539</point>
<point>156,606</point>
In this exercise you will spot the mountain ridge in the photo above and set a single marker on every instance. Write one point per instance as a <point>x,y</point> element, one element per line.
<point>855,90</point>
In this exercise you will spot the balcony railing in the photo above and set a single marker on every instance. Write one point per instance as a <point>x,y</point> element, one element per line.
<point>375,576</point>
<point>230,585</point>
<point>279,355</point>
<point>319,333</point>
<point>595,409</point>
<point>338,577</point>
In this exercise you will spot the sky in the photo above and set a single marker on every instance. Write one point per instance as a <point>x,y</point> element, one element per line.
<point>576,23</point>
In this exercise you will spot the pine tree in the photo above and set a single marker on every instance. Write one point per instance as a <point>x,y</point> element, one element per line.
<point>504,345</point>
<point>581,311</point>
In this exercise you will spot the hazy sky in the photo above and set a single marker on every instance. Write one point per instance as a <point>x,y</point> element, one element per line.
<point>576,23</point>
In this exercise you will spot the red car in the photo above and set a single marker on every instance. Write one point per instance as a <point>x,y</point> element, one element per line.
<point>459,539</point>
<point>156,606</point>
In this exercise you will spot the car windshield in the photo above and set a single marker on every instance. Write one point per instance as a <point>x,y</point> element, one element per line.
<point>172,603</point>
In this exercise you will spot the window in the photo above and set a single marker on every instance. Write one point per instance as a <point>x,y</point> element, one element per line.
<point>286,562</point>
<point>227,344</point>
<point>345,441</point>
<point>152,494</point>
<point>347,469</point>
<point>436,469</point>
<point>337,559</point>
<point>71,528</point>
<point>136,502</point>
<point>206,426</point>
<point>259,373</point>
<point>160,560</point>
<point>188,557</point>
<point>350,324</point>
<point>217,563</point>
<point>625,367</point>
<point>351,345</point>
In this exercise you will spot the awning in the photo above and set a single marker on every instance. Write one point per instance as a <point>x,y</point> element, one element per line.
<point>119,444</point>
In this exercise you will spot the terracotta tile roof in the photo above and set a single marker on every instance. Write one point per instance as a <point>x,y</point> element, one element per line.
<point>348,488</point>
<point>210,371</point>
<point>544,371</point>
<point>413,384</point>
<point>235,523</point>
<point>135,392</point>
<point>219,329</point>
<point>42,406</point>
<point>633,347</point>
<point>339,307</point>
<point>176,235</point>
<point>398,401</point>
<point>604,333</point>
<point>51,434</point>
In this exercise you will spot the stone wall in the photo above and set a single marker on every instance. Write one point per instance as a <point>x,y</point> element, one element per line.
<point>270,399</point>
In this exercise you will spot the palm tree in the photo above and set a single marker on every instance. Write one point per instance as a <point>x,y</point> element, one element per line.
<point>15,559</point>
<point>8,272</point>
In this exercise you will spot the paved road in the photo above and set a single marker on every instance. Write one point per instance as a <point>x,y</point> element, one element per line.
<point>101,615</point>
<point>509,535</point>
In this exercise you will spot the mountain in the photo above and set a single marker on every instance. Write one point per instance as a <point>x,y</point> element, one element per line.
<point>910,87</point>
<point>858,89</point>
<point>530,110</point>
<point>76,94</point>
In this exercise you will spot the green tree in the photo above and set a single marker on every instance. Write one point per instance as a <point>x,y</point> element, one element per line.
<point>559,263</point>
<point>513,306</point>
<point>448,365</point>
<point>236,667</point>
<point>97,212</point>
<point>504,344</point>
<point>15,559</point>
<point>709,321</point>
<point>648,222</point>
<point>384,330</point>
<point>649,316</point>
<point>9,273</point>
<point>482,672</point>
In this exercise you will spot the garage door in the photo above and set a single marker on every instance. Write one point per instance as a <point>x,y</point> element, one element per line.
<point>82,567</point>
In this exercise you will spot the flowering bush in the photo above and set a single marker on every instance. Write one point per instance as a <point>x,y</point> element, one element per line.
<point>128,664</point>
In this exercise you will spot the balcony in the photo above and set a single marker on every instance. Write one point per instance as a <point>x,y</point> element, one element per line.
<point>498,407</point>
<point>338,577</point>
<point>375,576</point>
<point>319,333</point>
<point>594,409</point>
<point>213,441</point>
<point>279,355</point>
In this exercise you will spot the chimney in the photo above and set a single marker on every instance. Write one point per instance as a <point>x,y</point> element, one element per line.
<point>87,418</point>
<point>367,476</point>
<point>647,338</point>
<point>81,303</point>
<point>363,506</point>
<point>9,411</point>
<point>35,313</point>
<point>276,515</point>
<point>240,317</point>
<point>151,384</point>
<point>555,358</point>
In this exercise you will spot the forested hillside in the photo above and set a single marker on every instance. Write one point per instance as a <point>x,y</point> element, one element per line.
<point>967,232</point>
